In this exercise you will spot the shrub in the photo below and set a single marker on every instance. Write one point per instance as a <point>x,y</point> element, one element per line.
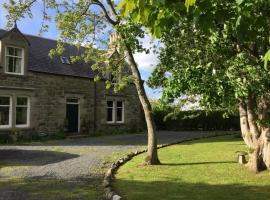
<point>15,135</point>
<point>171,118</point>
<point>58,136</point>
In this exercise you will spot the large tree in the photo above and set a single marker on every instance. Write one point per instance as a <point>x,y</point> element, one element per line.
<point>89,23</point>
<point>215,49</point>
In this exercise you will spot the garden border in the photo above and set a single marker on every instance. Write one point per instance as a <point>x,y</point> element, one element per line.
<point>109,192</point>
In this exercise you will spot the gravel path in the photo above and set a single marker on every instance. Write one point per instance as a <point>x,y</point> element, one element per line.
<point>79,160</point>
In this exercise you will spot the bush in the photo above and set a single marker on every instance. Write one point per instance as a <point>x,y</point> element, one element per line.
<point>58,136</point>
<point>15,135</point>
<point>171,118</point>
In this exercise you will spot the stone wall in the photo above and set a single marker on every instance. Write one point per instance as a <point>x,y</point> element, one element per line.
<point>48,94</point>
<point>133,114</point>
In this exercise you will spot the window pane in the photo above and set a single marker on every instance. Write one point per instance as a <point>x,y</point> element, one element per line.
<point>10,64</point>
<point>119,103</point>
<point>4,101</point>
<point>4,115</point>
<point>119,114</point>
<point>17,65</point>
<point>109,114</point>
<point>21,115</point>
<point>22,101</point>
<point>14,51</point>
<point>11,51</point>
<point>18,52</point>
<point>109,103</point>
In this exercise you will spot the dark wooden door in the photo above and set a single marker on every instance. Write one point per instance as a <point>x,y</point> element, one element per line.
<point>73,117</point>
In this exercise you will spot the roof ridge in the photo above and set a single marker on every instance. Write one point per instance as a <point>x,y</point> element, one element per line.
<point>41,37</point>
<point>27,34</point>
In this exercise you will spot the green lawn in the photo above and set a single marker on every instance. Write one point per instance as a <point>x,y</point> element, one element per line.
<point>48,189</point>
<point>203,169</point>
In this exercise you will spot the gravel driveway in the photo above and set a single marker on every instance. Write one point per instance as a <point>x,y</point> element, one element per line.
<point>73,165</point>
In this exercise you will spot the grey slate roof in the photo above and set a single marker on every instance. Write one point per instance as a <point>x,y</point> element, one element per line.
<point>39,61</point>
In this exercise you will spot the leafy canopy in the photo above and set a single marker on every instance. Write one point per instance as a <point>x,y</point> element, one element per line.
<point>160,15</point>
<point>217,56</point>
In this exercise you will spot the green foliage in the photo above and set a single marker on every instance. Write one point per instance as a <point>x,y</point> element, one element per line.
<point>214,49</point>
<point>216,55</point>
<point>19,137</point>
<point>156,15</point>
<point>15,135</point>
<point>58,136</point>
<point>266,59</point>
<point>173,119</point>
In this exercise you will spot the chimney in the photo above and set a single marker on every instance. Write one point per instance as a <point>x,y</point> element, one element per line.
<point>113,46</point>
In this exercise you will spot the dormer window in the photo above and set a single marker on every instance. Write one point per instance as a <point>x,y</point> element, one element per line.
<point>14,60</point>
<point>65,60</point>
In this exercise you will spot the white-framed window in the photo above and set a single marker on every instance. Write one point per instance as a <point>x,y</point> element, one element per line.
<point>119,111</point>
<point>115,111</point>
<point>22,111</point>
<point>5,111</point>
<point>14,60</point>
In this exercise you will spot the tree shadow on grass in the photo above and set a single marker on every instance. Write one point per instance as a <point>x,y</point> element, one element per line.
<point>179,190</point>
<point>16,157</point>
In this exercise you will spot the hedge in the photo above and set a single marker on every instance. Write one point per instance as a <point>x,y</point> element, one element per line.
<point>194,120</point>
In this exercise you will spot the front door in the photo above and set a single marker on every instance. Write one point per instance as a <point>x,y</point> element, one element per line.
<point>72,116</point>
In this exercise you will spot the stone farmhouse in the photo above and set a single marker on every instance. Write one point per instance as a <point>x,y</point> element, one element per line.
<point>43,95</point>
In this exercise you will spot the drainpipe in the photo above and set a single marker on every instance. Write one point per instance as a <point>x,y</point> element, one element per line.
<point>95,105</point>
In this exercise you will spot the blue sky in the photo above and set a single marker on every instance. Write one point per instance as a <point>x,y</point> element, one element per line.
<point>145,62</point>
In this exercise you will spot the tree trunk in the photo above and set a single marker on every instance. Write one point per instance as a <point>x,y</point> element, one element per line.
<point>152,156</point>
<point>246,134</point>
<point>266,148</point>
<point>257,137</point>
<point>256,162</point>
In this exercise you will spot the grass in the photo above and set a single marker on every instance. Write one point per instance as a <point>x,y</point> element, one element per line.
<point>44,188</point>
<point>52,189</point>
<point>203,169</point>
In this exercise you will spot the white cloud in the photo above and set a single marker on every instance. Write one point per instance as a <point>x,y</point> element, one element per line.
<point>147,62</point>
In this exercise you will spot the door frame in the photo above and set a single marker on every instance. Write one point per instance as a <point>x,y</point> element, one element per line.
<point>79,110</point>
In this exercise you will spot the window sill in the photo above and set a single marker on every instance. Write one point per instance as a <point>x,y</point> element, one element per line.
<point>16,127</point>
<point>13,74</point>
<point>115,123</point>
<point>22,126</point>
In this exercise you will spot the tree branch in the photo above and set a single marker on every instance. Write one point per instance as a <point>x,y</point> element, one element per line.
<point>106,14</point>
<point>109,2</point>
<point>252,49</point>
